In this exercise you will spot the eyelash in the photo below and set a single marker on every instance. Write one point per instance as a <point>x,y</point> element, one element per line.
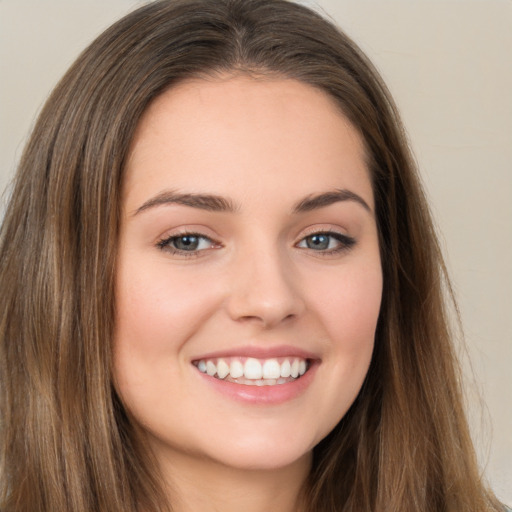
<point>345,243</point>
<point>166,244</point>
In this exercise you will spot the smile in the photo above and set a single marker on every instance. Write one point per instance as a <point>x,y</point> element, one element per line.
<point>254,372</point>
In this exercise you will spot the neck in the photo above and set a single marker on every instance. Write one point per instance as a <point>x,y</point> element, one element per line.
<point>209,486</point>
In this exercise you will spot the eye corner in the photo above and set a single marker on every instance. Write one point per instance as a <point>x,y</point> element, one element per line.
<point>326,242</point>
<point>187,244</point>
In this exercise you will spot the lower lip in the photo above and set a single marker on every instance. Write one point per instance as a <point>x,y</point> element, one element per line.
<point>262,395</point>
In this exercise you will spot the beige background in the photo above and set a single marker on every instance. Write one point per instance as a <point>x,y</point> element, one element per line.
<point>449,65</point>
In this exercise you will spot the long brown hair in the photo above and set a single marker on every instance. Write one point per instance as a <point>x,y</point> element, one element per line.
<point>67,444</point>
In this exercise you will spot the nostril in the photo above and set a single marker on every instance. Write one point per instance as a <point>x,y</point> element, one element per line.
<point>268,318</point>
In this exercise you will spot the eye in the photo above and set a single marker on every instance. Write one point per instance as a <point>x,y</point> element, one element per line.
<point>327,242</point>
<point>186,244</point>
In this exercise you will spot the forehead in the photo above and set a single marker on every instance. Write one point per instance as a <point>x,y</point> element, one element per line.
<point>230,133</point>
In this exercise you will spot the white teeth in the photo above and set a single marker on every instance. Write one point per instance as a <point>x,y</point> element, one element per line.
<point>286,369</point>
<point>295,368</point>
<point>254,372</point>
<point>253,369</point>
<point>236,369</point>
<point>222,369</point>
<point>211,369</point>
<point>271,369</point>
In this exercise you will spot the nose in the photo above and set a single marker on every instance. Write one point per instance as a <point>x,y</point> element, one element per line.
<point>264,289</point>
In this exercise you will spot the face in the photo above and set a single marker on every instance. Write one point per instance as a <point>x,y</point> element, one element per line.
<point>249,279</point>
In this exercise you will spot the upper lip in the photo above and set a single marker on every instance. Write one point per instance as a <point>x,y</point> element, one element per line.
<point>259,352</point>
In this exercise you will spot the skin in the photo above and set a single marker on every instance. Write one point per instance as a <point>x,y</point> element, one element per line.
<point>264,145</point>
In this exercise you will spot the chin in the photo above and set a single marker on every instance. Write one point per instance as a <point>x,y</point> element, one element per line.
<point>265,459</point>
<point>263,450</point>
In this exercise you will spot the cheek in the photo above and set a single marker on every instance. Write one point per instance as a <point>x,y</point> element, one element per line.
<point>349,305</point>
<point>155,306</point>
<point>348,308</point>
<point>156,314</point>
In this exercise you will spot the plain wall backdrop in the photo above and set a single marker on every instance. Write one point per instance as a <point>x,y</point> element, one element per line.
<point>449,66</point>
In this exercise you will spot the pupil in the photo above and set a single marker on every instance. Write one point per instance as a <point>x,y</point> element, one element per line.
<point>186,243</point>
<point>318,242</point>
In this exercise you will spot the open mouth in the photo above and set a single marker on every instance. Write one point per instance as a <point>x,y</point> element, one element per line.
<point>254,372</point>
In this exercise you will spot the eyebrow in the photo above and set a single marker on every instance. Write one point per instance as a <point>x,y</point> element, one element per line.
<point>209,202</point>
<point>313,202</point>
<point>215,203</point>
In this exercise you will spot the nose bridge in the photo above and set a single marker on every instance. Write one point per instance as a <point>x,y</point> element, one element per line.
<point>264,287</point>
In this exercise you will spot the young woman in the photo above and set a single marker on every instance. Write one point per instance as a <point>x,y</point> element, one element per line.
<point>221,287</point>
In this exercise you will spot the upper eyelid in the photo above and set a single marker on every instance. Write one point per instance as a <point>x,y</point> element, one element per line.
<point>312,230</point>
<point>334,234</point>
<point>345,244</point>
<point>328,229</point>
<point>165,246</point>
<point>190,231</point>
<point>187,233</point>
